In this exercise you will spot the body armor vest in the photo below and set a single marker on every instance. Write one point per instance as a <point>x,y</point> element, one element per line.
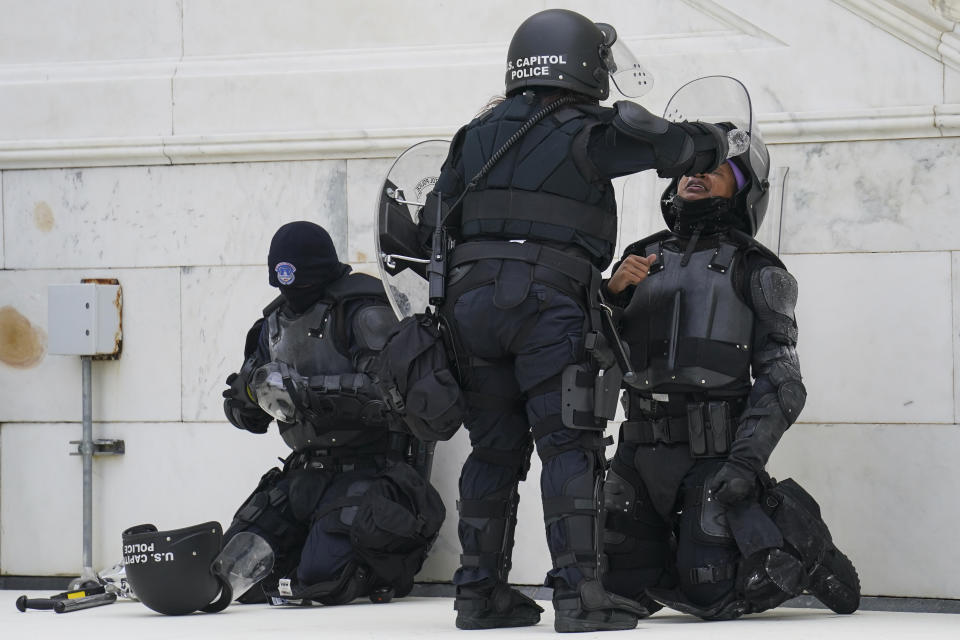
<point>344,407</point>
<point>544,188</point>
<point>687,327</point>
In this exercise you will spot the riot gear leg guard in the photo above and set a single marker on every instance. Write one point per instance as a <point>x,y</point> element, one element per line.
<point>637,540</point>
<point>573,510</point>
<point>491,522</point>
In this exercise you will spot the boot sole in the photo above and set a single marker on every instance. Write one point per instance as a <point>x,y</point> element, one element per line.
<point>472,624</point>
<point>574,625</point>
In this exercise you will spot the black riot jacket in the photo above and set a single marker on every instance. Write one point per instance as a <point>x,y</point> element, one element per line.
<point>552,186</point>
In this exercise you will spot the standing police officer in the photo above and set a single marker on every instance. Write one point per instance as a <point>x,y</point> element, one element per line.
<point>346,517</point>
<point>534,229</point>
<point>693,521</point>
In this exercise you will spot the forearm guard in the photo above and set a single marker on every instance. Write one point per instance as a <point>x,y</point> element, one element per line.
<point>778,394</point>
<point>681,148</point>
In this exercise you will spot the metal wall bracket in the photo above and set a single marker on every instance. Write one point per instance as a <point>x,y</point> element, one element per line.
<point>101,447</point>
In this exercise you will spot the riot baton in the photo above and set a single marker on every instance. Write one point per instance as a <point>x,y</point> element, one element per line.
<point>613,337</point>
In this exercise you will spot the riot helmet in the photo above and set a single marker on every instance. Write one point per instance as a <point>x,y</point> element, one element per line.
<point>563,49</point>
<point>725,100</point>
<point>170,571</point>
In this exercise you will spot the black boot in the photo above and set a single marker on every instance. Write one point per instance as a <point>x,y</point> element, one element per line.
<point>835,582</point>
<point>489,605</point>
<point>590,608</point>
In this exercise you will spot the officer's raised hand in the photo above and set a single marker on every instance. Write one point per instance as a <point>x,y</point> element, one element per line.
<point>633,270</point>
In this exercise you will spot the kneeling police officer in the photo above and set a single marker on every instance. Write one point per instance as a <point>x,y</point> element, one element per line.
<point>693,520</point>
<point>346,516</point>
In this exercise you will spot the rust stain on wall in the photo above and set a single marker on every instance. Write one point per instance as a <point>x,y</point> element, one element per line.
<point>43,216</point>
<point>22,345</point>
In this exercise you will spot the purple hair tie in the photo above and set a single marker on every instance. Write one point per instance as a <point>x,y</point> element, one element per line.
<point>737,174</point>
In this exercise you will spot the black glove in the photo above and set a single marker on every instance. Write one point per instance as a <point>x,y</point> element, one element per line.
<point>733,483</point>
<point>709,146</point>
<point>240,408</point>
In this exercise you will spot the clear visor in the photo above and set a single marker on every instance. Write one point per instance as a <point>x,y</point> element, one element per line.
<point>629,76</point>
<point>246,560</point>
<point>272,394</point>
<point>722,99</point>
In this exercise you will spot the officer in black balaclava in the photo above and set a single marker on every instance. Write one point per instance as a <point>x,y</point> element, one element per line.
<point>307,364</point>
<point>693,520</point>
<point>536,222</point>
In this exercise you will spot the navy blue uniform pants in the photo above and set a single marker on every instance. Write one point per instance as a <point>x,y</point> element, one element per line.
<point>663,530</point>
<point>511,360</point>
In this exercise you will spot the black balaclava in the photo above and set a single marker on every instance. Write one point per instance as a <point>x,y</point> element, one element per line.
<point>302,262</point>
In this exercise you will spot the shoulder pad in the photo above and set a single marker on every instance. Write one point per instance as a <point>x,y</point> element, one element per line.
<point>275,304</point>
<point>779,290</point>
<point>749,243</point>
<point>774,294</point>
<point>253,338</point>
<point>372,325</point>
<point>355,285</point>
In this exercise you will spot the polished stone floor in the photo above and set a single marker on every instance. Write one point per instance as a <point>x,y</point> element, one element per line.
<point>433,617</point>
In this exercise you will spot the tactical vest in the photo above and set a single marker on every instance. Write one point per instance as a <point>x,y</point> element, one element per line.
<point>345,408</point>
<point>687,327</point>
<point>544,188</point>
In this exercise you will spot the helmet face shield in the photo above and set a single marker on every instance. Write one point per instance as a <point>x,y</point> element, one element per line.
<point>629,76</point>
<point>725,99</point>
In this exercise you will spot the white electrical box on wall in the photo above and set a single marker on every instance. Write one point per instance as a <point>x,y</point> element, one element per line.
<point>84,319</point>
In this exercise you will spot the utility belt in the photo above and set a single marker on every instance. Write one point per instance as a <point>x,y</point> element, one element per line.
<point>590,388</point>
<point>708,428</point>
<point>570,274</point>
<point>340,459</point>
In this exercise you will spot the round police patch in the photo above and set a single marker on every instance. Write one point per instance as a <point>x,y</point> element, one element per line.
<point>285,272</point>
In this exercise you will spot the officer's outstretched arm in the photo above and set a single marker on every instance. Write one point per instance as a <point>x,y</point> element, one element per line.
<point>680,148</point>
<point>778,394</point>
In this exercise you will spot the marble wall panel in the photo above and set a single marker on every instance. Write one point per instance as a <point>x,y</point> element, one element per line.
<point>166,216</point>
<point>886,491</point>
<point>333,100</point>
<point>955,290</point>
<point>218,307</point>
<point>875,337</point>
<point>85,107</point>
<point>304,25</point>
<point>886,195</point>
<point>172,475</point>
<point>144,384</point>
<point>364,179</point>
<point>951,85</point>
<point>78,30</point>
